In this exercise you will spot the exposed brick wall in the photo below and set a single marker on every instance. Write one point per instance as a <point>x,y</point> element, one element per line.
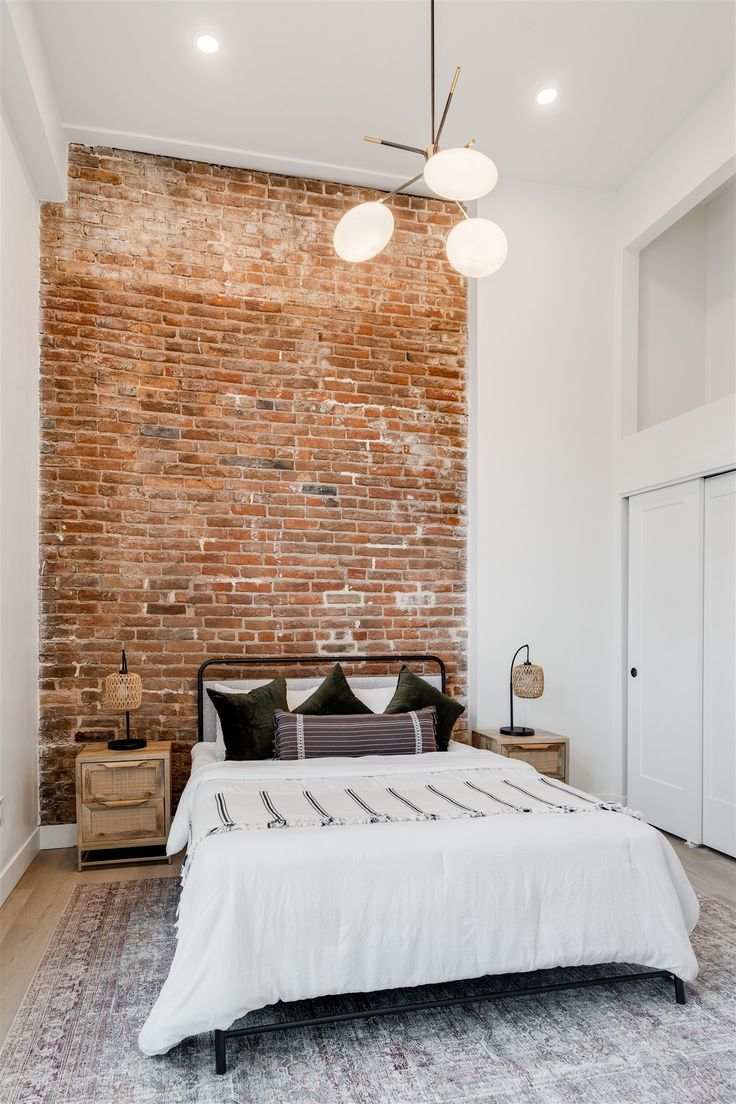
<point>248,445</point>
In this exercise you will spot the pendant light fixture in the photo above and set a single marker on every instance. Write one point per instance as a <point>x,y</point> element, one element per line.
<point>475,246</point>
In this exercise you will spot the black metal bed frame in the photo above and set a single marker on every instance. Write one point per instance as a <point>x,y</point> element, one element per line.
<point>222,1035</point>
<point>305,661</point>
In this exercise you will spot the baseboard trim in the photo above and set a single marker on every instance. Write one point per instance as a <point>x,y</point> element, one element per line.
<point>16,868</point>
<point>614,799</point>
<point>58,835</point>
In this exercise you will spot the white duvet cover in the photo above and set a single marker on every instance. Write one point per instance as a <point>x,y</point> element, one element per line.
<point>305,912</point>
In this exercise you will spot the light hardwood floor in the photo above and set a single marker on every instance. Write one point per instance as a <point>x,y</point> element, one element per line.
<point>33,909</point>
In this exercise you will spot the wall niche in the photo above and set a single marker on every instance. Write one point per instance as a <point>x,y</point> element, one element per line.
<point>687,312</point>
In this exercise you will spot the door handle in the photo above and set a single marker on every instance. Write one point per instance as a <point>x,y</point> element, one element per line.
<point>634,672</point>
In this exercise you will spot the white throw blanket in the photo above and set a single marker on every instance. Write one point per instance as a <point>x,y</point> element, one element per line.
<point>385,799</point>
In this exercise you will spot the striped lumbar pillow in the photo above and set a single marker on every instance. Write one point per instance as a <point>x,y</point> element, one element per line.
<point>307,737</point>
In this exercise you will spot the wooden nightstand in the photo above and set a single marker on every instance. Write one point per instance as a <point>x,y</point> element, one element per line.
<point>123,804</point>
<point>547,752</point>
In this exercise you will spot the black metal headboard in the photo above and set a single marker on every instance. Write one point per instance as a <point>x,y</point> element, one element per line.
<point>302,661</point>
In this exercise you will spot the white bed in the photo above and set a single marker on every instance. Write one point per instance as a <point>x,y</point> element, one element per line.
<point>305,912</point>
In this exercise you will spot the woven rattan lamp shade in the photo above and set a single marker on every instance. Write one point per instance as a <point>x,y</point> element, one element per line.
<point>122,693</point>
<point>527,680</point>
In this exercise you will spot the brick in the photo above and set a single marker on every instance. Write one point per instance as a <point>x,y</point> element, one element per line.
<point>247,445</point>
<point>318,489</point>
<point>160,431</point>
<point>257,462</point>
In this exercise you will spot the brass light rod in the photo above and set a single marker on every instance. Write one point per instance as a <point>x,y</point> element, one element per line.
<point>435,135</point>
<point>451,93</point>
<point>394,145</point>
<point>401,187</point>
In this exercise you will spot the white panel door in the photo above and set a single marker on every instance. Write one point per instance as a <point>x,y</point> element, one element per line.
<point>719,665</point>
<point>665,712</point>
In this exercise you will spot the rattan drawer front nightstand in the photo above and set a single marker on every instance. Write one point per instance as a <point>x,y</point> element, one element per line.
<point>545,751</point>
<point>123,804</point>
<point>108,782</point>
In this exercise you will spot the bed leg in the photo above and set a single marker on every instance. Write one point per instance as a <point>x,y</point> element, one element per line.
<point>679,989</point>
<point>220,1056</point>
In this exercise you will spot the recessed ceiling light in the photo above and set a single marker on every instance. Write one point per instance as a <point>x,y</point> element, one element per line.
<point>546,96</point>
<point>207,43</point>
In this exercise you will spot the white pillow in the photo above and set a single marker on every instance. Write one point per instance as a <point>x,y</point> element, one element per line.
<point>296,697</point>
<point>375,697</point>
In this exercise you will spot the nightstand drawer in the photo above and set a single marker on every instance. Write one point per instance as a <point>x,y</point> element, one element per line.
<point>132,780</point>
<point>545,751</point>
<point>545,760</point>
<point>123,819</point>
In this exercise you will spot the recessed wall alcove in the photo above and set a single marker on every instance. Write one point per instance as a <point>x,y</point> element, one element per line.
<point>686,353</point>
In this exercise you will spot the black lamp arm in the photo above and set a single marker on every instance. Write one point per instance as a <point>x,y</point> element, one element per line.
<point>513,661</point>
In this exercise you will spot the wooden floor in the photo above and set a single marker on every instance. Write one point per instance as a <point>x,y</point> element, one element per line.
<point>711,874</point>
<point>33,909</point>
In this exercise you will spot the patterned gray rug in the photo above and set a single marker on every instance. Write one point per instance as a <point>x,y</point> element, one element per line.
<point>74,1038</point>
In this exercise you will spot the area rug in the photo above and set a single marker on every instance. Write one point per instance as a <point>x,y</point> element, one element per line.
<point>74,1038</point>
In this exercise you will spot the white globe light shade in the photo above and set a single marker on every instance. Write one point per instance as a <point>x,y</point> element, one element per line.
<point>363,232</point>
<point>462,174</point>
<point>476,247</point>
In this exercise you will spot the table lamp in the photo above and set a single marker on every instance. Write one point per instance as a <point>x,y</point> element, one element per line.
<point>526,681</point>
<point>123,693</point>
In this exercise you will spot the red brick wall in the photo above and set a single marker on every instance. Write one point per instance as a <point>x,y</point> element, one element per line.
<point>248,445</point>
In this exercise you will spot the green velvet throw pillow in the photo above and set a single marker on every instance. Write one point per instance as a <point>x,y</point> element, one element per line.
<point>333,696</point>
<point>248,719</point>
<point>413,692</point>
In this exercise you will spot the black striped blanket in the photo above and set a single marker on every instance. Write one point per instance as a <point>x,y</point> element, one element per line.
<point>331,802</point>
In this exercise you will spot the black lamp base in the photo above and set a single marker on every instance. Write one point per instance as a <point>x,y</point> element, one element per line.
<point>516,730</point>
<point>126,745</point>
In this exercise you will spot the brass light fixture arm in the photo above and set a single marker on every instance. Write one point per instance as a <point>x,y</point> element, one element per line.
<point>394,145</point>
<point>401,187</point>
<point>451,93</point>
<point>435,134</point>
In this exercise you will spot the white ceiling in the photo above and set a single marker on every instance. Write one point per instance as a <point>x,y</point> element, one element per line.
<point>297,83</point>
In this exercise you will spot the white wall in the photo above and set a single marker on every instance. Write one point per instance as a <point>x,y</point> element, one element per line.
<point>19,443</point>
<point>29,104</point>
<point>547,530</point>
<point>33,159</point>
<point>697,158</point>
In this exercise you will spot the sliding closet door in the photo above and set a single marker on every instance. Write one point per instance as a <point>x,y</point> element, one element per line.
<point>719,665</point>
<point>665,657</point>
